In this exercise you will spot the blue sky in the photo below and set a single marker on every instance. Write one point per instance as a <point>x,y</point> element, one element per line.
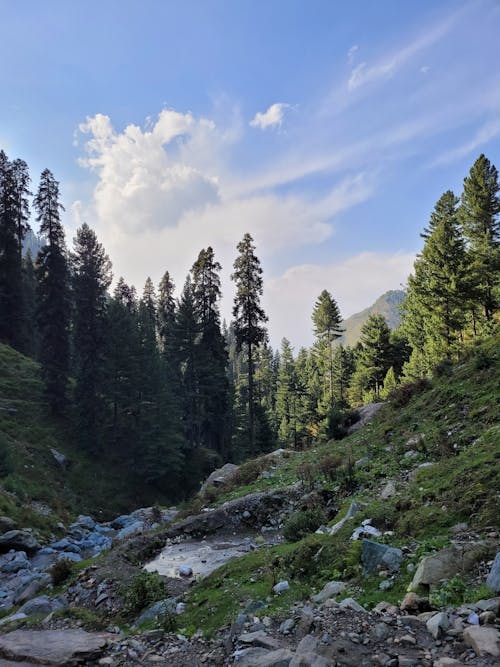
<point>326,130</point>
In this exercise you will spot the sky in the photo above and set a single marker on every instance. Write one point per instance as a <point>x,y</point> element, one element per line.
<point>327,130</point>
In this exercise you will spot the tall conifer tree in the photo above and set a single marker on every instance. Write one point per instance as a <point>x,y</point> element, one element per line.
<point>53,293</point>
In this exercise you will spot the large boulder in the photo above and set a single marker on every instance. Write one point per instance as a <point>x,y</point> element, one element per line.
<point>447,563</point>
<point>376,556</point>
<point>19,540</point>
<point>219,477</point>
<point>6,523</point>
<point>483,640</point>
<point>59,648</point>
<point>493,579</point>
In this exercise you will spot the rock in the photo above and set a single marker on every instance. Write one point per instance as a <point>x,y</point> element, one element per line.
<point>287,626</point>
<point>259,638</point>
<point>19,540</point>
<point>350,603</point>
<point>388,491</point>
<point>309,660</point>
<point>493,579</point>
<point>438,624</point>
<point>484,640</point>
<point>70,555</point>
<point>281,586</point>
<point>6,524</point>
<point>18,616</point>
<point>132,528</point>
<point>167,606</point>
<point>487,618</point>
<point>59,648</point>
<point>30,587</point>
<point>365,414</point>
<point>447,662</point>
<point>308,644</point>
<point>415,442</point>
<point>380,631</point>
<point>330,590</point>
<point>219,477</point>
<point>280,658</point>
<point>493,604</point>
<point>448,562</point>
<point>246,657</point>
<point>19,562</point>
<point>42,605</point>
<point>413,604</point>
<point>305,622</point>
<point>60,458</point>
<point>375,555</point>
<point>185,571</point>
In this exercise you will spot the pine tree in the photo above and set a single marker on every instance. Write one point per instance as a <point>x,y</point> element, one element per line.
<point>14,212</point>
<point>91,279</point>
<point>29,345</point>
<point>286,396</point>
<point>249,316</point>
<point>389,383</point>
<point>373,359</point>
<point>212,355</point>
<point>481,226</point>
<point>52,294</point>
<point>327,328</point>
<point>166,312</point>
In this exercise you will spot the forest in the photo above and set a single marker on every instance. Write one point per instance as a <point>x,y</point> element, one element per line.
<point>156,380</point>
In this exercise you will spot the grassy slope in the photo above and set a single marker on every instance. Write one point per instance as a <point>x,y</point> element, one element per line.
<point>458,413</point>
<point>30,478</point>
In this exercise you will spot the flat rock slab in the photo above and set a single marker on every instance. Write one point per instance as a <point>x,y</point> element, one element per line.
<point>9,663</point>
<point>51,647</point>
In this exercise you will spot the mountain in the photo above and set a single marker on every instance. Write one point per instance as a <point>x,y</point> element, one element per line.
<point>386,305</point>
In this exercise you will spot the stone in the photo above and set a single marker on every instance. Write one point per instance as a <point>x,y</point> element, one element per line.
<point>219,477</point>
<point>246,657</point>
<point>380,631</point>
<point>20,540</point>
<point>415,442</point>
<point>309,660</point>
<point>493,604</point>
<point>448,562</point>
<point>132,528</point>
<point>287,626</point>
<point>58,648</point>
<point>41,605</point>
<point>308,644</point>
<point>375,555</point>
<point>259,638</point>
<point>350,603</point>
<point>167,606</point>
<point>281,586</point>
<point>30,587</point>
<point>330,590</point>
<point>18,616</point>
<point>388,491</point>
<point>280,658</point>
<point>6,524</point>
<point>65,545</point>
<point>185,571</point>
<point>493,579</point>
<point>305,622</point>
<point>60,458</point>
<point>19,562</point>
<point>484,640</point>
<point>413,604</point>
<point>438,624</point>
<point>447,662</point>
<point>487,618</point>
<point>70,555</point>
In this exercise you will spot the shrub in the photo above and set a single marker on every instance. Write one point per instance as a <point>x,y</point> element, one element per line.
<point>443,368</point>
<point>247,472</point>
<point>306,473</point>
<point>451,592</point>
<point>402,395</point>
<point>145,588</point>
<point>482,360</point>
<point>61,571</point>
<point>329,466</point>
<point>167,622</point>
<point>303,523</point>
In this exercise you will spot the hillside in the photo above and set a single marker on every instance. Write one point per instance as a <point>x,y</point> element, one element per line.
<point>36,489</point>
<point>386,305</point>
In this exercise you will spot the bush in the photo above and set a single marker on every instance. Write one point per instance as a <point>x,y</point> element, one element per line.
<point>307,474</point>
<point>482,360</point>
<point>247,472</point>
<point>145,588</point>
<point>61,571</point>
<point>402,395</point>
<point>303,523</point>
<point>329,466</point>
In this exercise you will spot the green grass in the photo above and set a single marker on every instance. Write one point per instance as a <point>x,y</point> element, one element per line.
<point>458,413</point>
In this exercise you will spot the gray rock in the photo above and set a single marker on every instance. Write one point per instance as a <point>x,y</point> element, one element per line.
<point>388,491</point>
<point>287,626</point>
<point>280,658</point>
<point>448,562</point>
<point>60,458</point>
<point>6,524</point>
<point>380,631</point>
<point>65,545</point>
<point>330,590</point>
<point>219,477</point>
<point>350,603</point>
<point>167,606</point>
<point>259,638</point>
<point>438,624</point>
<point>19,562</point>
<point>493,604</point>
<point>281,586</point>
<point>484,640</point>
<point>185,571</point>
<point>70,555</point>
<point>30,587</point>
<point>58,648</point>
<point>308,644</point>
<point>246,657</point>
<point>42,605</point>
<point>493,579</point>
<point>309,660</point>
<point>18,616</point>
<point>132,528</point>
<point>19,540</point>
<point>375,555</point>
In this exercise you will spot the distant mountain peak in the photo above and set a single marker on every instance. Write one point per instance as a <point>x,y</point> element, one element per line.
<point>387,305</point>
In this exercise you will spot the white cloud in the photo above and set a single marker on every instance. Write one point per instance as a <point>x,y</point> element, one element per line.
<point>351,54</point>
<point>273,117</point>
<point>354,283</point>
<point>485,133</point>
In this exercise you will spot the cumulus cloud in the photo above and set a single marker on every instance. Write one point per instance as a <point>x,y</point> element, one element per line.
<point>354,282</point>
<point>273,117</point>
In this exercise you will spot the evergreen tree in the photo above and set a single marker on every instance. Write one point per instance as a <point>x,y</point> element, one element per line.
<point>52,294</point>
<point>342,370</point>
<point>481,226</point>
<point>166,311</point>
<point>13,226</point>
<point>327,328</point>
<point>373,359</point>
<point>249,316</point>
<point>212,355</point>
<point>91,278</point>
<point>29,345</point>
<point>389,383</point>
<point>286,396</point>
